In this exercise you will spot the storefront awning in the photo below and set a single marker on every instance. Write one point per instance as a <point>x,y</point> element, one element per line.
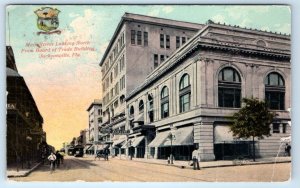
<point>181,137</point>
<point>222,134</point>
<point>124,146</point>
<point>87,147</point>
<point>136,141</point>
<point>120,141</point>
<point>101,147</point>
<point>159,139</point>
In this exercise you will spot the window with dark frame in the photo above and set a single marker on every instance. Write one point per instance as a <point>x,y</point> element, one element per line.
<point>155,61</point>
<point>141,106</point>
<point>164,102</point>
<point>132,36</point>
<point>168,41</point>
<point>184,93</point>
<point>162,40</point>
<point>276,128</point>
<point>162,58</point>
<point>139,38</point>
<point>183,40</point>
<point>229,88</point>
<point>150,108</point>
<point>284,128</point>
<point>145,38</point>
<point>177,42</point>
<point>275,91</point>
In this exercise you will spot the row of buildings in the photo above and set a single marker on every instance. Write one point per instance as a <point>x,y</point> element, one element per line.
<point>169,87</point>
<point>26,140</point>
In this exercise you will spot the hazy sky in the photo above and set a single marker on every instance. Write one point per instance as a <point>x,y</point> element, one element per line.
<point>63,88</point>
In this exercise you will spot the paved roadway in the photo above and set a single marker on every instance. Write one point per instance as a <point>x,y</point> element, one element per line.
<point>87,169</point>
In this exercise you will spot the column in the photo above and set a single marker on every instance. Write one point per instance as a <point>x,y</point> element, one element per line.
<point>135,152</point>
<point>155,152</point>
<point>203,135</point>
<point>146,148</point>
<point>120,151</point>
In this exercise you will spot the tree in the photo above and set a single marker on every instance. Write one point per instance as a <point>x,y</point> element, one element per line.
<point>252,120</point>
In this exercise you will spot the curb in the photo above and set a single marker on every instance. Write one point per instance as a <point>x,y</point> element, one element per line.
<point>213,166</point>
<point>26,173</point>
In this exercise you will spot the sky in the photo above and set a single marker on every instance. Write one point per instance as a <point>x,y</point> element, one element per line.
<point>63,88</point>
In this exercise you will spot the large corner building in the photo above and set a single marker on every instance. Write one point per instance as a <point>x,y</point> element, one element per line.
<point>172,86</point>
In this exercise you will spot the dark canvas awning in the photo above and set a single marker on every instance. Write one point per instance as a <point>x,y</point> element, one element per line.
<point>159,139</point>
<point>136,141</point>
<point>222,134</point>
<point>120,141</point>
<point>181,137</point>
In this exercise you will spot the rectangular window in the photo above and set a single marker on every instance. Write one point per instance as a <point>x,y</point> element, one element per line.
<point>168,41</point>
<point>145,38</point>
<point>177,42</point>
<point>116,70</point>
<point>284,128</point>
<point>165,110</point>
<point>183,40</point>
<point>162,58</point>
<point>139,38</point>
<point>155,60</point>
<point>276,128</point>
<point>185,102</point>
<point>132,36</point>
<point>111,93</point>
<point>162,40</point>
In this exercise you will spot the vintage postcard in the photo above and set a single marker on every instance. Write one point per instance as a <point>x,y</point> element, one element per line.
<point>148,93</point>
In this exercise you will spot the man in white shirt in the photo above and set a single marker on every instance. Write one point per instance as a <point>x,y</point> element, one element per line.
<point>52,159</point>
<point>196,159</point>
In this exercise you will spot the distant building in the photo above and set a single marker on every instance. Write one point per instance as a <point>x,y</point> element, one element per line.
<point>25,132</point>
<point>95,119</point>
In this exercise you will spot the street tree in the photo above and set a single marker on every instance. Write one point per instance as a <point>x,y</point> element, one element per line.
<point>252,120</point>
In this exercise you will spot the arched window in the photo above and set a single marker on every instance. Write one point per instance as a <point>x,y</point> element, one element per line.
<point>229,88</point>
<point>141,106</point>
<point>131,111</point>
<point>164,98</point>
<point>150,108</point>
<point>275,91</point>
<point>184,93</point>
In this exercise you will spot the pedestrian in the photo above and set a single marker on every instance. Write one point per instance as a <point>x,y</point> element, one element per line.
<point>196,159</point>
<point>288,149</point>
<point>43,158</point>
<point>58,158</point>
<point>106,153</point>
<point>52,159</point>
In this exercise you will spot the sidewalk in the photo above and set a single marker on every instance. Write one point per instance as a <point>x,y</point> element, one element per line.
<point>212,164</point>
<point>12,171</point>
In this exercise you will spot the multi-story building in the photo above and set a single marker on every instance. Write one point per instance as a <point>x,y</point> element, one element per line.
<point>139,45</point>
<point>95,119</point>
<point>185,103</point>
<point>25,135</point>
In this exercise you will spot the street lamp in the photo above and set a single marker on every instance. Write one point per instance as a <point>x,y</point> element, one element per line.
<point>172,136</point>
<point>129,150</point>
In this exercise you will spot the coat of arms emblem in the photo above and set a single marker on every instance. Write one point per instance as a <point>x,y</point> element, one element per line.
<point>47,20</point>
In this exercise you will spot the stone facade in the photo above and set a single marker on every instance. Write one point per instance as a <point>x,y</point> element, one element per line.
<point>251,54</point>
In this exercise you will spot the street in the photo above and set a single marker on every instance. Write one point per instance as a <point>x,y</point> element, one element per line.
<point>87,169</point>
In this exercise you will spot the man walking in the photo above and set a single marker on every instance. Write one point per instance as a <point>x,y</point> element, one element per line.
<point>196,159</point>
<point>52,159</point>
